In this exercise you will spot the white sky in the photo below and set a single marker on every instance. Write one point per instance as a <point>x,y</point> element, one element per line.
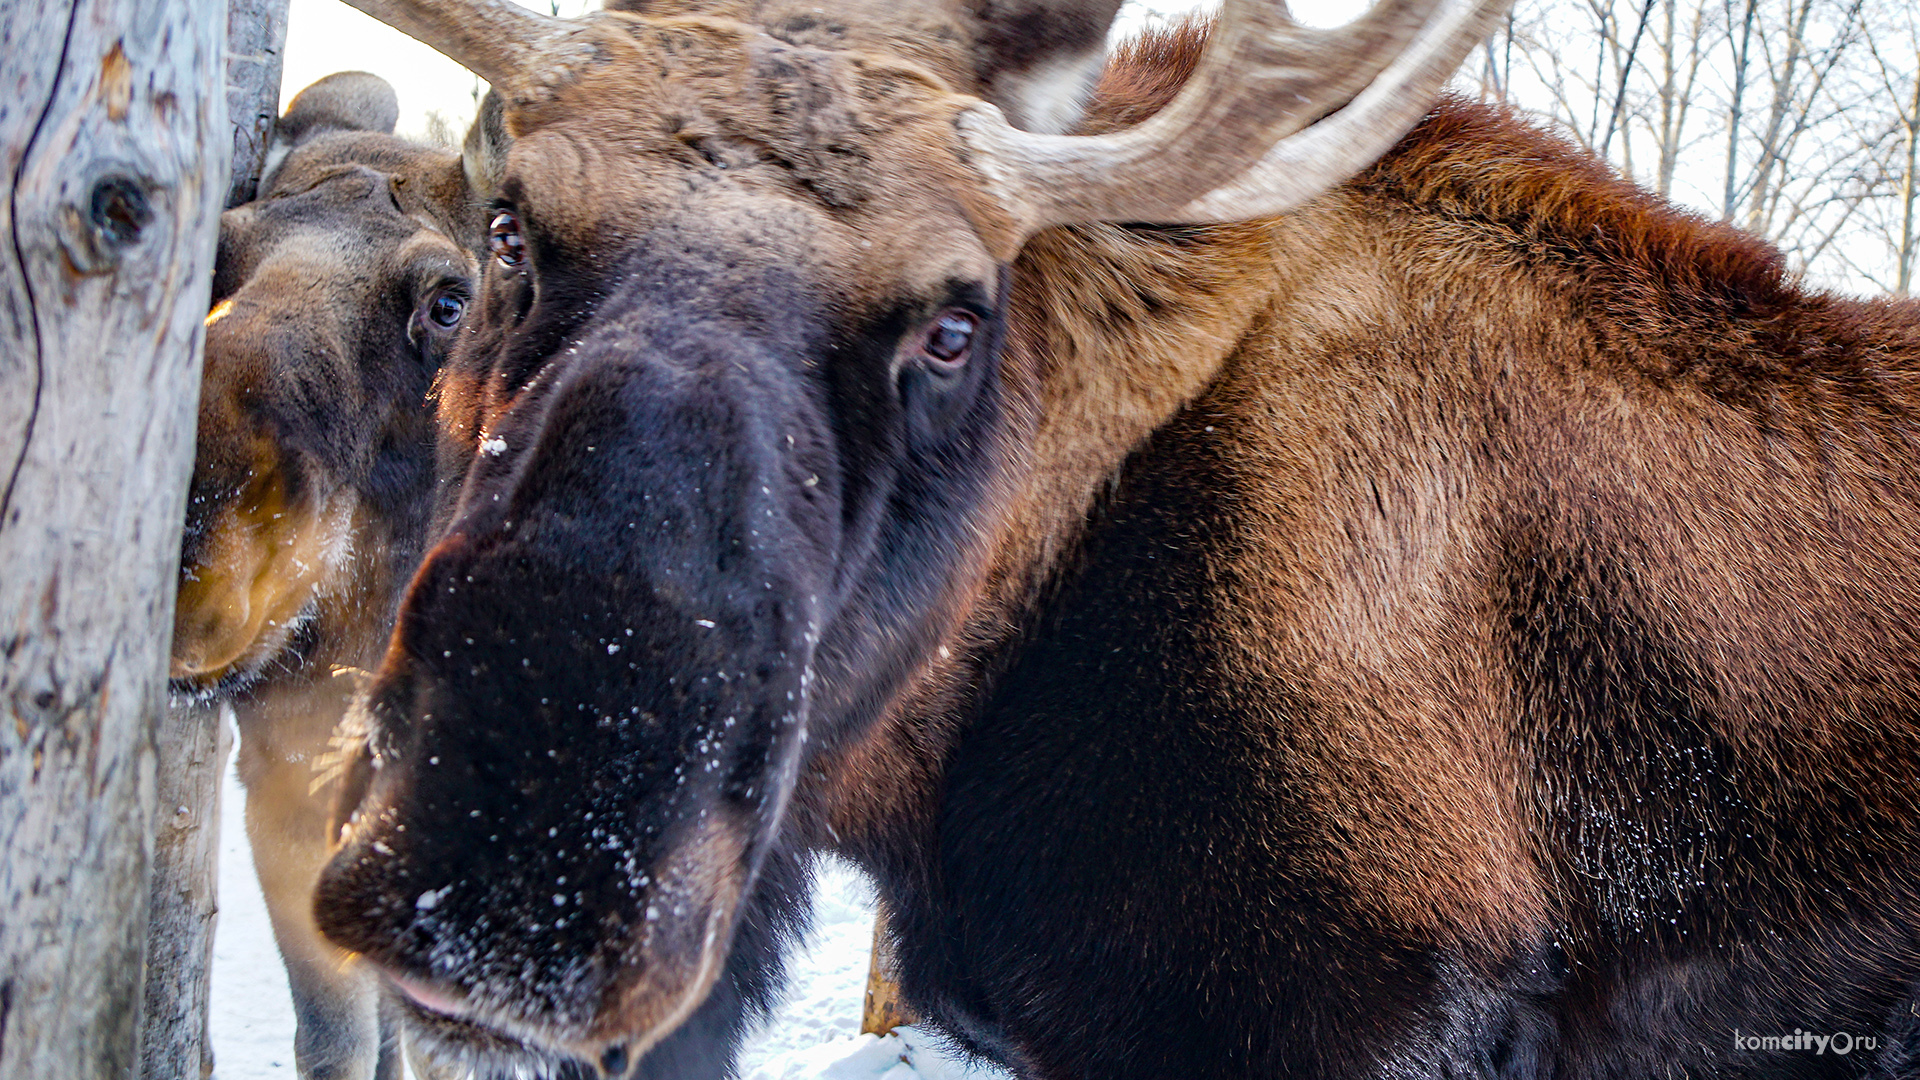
<point>325,36</point>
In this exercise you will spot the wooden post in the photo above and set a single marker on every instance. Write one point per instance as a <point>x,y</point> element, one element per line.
<point>182,897</point>
<point>256,48</point>
<point>885,1010</point>
<point>113,148</point>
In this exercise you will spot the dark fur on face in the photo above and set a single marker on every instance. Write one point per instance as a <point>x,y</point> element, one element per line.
<point>1463,627</point>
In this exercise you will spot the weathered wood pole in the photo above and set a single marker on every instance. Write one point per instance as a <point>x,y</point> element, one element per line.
<point>256,50</point>
<point>113,155</point>
<point>182,894</point>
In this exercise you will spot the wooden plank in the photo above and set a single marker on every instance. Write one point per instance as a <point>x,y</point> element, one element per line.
<point>182,899</point>
<point>114,141</point>
<point>256,48</point>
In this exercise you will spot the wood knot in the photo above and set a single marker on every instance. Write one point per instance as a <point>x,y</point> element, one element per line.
<point>111,221</point>
<point>119,210</point>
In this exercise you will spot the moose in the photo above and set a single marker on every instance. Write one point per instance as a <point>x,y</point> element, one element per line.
<point>1274,571</point>
<point>338,293</point>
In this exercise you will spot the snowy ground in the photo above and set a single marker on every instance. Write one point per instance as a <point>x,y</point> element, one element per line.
<point>815,1035</point>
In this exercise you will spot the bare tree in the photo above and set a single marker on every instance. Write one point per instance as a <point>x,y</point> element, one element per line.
<point>1740,43</point>
<point>1895,50</point>
<point>115,143</point>
<point>1679,41</point>
<point>1775,85</point>
<point>1798,70</point>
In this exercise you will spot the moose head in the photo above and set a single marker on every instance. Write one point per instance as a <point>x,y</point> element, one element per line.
<point>337,294</point>
<point>746,422</point>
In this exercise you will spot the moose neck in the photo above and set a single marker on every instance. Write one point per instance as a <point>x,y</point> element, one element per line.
<point>1485,360</point>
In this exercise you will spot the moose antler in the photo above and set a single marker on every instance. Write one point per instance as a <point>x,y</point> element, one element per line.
<point>498,40</point>
<point>1304,166</point>
<point>1276,113</point>
<point>1241,140</point>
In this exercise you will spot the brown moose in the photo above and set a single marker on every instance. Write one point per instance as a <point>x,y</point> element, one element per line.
<point>337,295</point>
<point>1264,593</point>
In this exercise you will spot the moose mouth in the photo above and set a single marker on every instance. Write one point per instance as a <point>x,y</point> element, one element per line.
<point>465,1032</point>
<point>469,1048</point>
<point>488,1042</point>
<point>254,581</point>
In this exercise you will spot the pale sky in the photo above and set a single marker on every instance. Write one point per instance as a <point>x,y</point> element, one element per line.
<point>325,36</point>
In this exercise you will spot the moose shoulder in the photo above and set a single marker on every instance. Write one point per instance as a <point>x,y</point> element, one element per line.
<point>1447,615</point>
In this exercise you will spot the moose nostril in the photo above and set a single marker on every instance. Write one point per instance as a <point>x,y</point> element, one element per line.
<point>613,1062</point>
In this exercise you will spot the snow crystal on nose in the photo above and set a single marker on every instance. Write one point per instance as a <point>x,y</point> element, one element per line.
<point>430,899</point>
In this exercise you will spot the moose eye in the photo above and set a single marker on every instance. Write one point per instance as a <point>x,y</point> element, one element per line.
<point>446,309</point>
<point>438,315</point>
<point>950,336</point>
<point>504,240</point>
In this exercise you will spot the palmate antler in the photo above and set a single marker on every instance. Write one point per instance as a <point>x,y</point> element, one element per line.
<point>1255,131</point>
<point>1275,115</point>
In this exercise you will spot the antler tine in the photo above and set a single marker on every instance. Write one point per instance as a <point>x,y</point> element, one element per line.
<point>1263,79</point>
<point>1300,168</point>
<point>498,40</point>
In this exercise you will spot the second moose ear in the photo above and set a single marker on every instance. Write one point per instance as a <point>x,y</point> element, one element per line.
<point>343,101</point>
<point>484,154</point>
<point>1038,59</point>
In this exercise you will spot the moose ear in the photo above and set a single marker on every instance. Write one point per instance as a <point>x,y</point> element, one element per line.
<point>343,101</point>
<point>484,155</point>
<point>1038,59</point>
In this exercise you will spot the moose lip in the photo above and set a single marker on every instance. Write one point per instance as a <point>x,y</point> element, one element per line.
<point>252,594</point>
<point>457,1023</point>
<point>443,1032</point>
<point>288,646</point>
<point>428,998</point>
<point>683,925</point>
<point>450,1026</point>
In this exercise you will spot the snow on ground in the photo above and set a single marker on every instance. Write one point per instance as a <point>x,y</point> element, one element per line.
<point>814,1036</point>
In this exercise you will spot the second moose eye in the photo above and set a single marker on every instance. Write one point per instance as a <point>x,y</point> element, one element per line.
<point>504,239</point>
<point>436,317</point>
<point>950,337</point>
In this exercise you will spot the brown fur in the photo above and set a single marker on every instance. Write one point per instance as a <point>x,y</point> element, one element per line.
<point>311,474</point>
<point>1466,625</point>
<point>1749,443</point>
